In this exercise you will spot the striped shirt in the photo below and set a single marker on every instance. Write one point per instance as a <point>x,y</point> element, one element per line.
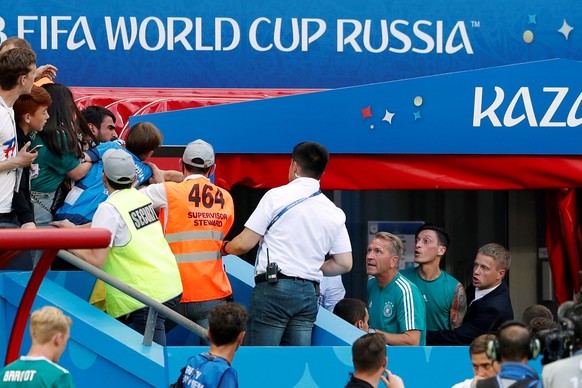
<point>397,308</point>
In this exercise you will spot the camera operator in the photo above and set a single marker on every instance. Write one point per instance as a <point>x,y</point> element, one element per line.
<point>561,343</point>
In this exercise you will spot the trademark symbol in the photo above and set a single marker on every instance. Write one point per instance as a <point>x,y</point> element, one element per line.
<point>475,23</point>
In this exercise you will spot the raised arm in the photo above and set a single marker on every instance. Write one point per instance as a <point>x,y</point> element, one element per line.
<point>80,171</point>
<point>242,243</point>
<point>96,257</point>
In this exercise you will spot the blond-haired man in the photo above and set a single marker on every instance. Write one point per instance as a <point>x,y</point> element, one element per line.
<point>489,304</point>
<point>395,304</point>
<point>49,332</point>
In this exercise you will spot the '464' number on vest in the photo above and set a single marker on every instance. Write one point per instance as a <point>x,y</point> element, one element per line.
<point>208,198</point>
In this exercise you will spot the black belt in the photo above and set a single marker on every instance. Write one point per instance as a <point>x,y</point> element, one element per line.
<point>260,278</point>
<point>9,218</point>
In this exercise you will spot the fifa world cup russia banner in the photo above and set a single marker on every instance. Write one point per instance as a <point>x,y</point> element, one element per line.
<point>286,44</point>
<point>525,109</point>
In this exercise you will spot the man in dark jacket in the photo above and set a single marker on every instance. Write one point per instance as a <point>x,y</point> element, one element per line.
<point>489,304</point>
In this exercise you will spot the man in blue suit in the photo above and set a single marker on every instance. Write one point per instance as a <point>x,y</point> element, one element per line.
<point>489,304</point>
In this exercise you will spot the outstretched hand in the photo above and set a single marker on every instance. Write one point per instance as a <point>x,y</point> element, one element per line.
<point>48,71</point>
<point>157,174</point>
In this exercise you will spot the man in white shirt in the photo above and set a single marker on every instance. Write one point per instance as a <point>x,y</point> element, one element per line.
<point>17,67</point>
<point>561,372</point>
<point>332,290</point>
<point>297,226</point>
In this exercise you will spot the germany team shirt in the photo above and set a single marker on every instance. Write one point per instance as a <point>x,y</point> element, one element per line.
<point>397,308</point>
<point>438,294</point>
<point>35,372</point>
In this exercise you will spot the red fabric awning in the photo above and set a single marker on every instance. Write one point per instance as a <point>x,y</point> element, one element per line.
<point>407,172</point>
<point>349,172</point>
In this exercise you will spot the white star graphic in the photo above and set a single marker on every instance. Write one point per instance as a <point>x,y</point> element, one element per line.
<point>565,29</point>
<point>388,117</point>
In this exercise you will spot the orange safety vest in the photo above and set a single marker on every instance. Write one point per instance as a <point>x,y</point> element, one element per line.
<point>200,215</point>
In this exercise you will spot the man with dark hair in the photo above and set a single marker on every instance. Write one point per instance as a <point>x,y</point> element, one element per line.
<point>196,216</point>
<point>101,122</point>
<point>86,195</point>
<point>395,304</point>
<point>353,311</point>
<point>226,332</point>
<point>483,366</point>
<point>138,253</point>
<point>540,324</point>
<point>538,317</point>
<point>489,304</point>
<point>296,227</point>
<point>535,311</point>
<point>17,68</point>
<point>370,361</point>
<point>513,348</point>
<point>446,302</point>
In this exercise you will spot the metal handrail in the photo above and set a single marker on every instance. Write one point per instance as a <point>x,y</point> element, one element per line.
<point>13,241</point>
<point>154,305</point>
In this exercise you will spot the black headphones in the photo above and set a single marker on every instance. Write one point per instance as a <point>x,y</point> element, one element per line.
<point>534,347</point>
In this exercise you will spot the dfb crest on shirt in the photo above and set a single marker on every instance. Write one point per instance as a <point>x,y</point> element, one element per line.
<point>388,309</point>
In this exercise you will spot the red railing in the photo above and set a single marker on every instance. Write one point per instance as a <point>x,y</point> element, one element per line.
<point>15,241</point>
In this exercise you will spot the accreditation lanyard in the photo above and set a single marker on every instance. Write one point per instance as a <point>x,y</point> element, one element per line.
<point>286,208</point>
<point>276,218</point>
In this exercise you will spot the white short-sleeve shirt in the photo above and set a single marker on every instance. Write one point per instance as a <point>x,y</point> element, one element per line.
<point>109,218</point>
<point>299,240</point>
<point>8,150</point>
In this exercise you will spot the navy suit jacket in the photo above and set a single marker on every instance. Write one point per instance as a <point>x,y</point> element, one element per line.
<point>483,316</point>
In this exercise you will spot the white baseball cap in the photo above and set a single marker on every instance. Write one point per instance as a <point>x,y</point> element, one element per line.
<point>199,154</point>
<point>118,166</point>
